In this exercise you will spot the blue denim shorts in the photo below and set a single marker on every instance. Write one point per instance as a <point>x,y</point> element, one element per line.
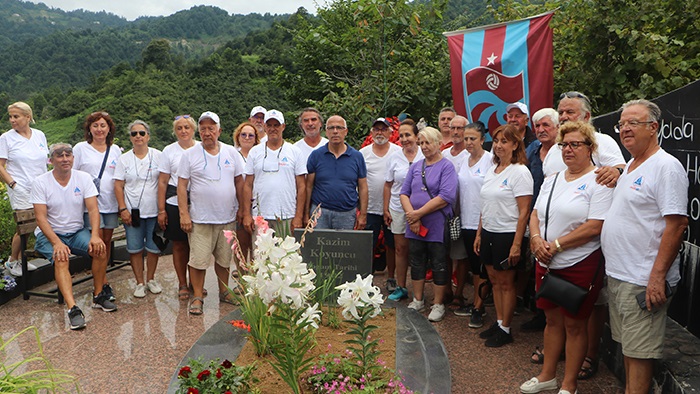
<point>77,242</point>
<point>138,237</point>
<point>336,220</point>
<point>107,220</point>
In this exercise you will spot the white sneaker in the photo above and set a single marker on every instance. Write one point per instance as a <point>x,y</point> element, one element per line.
<point>154,287</point>
<point>437,312</point>
<point>417,305</point>
<point>15,268</point>
<point>140,291</point>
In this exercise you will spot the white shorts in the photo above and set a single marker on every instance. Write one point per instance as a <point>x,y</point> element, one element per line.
<point>398,221</point>
<point>19,197</point>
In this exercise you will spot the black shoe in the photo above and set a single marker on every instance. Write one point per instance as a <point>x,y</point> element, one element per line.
<point>107,289</point>
<point>537,323</point>
<point>76,318</point>
<point>489,332</point>
<point>499,339</point>
<point>477,319</point>
<point>102,301</point>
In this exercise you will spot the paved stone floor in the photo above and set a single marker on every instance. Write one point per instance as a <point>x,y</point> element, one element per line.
<point>136,349</point>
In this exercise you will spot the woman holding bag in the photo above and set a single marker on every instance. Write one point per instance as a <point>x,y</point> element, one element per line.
<point>565,226</point>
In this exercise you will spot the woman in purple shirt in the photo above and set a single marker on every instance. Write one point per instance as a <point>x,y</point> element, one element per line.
<point>427,196</point>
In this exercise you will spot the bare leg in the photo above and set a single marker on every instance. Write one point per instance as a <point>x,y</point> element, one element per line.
<point>639,373</point>
<point>478,302</point>
<point>221,274</point>
<point>576,344</point>
<point>554,338</point>
<point>418,286</point>
<point>64,282</point>
<point>391,261</point>
<point>401,260</point>
<point>16,246</point>
<point>439,294</point>
<point>99,272</point>
<point>181,254</point>
<point>106,236</point>
<point>152,264</point>
<point>197,278</point>
<point>462,268</point>
<point>508,300</point>
<point>496,291</point>
<point>137,267</point>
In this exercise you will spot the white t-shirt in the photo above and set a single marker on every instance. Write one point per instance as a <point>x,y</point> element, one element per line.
<point>64,205</point>
<point>140,178</point>
<point>573,203</point>
<point>470,181</point>
<point>274,186</point>
<point>499,210</point>
<point>168,164</point>
<point>632,232</point>
<point>89,159</point>
<point>396,170</point>
<point>306,150</point>
<point>26,159</point>
<point>376,172</point>
<point>211,181</point>
<point>455,160</point>
<point>608,154</point>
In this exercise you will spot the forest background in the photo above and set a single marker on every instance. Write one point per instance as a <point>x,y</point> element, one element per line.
<point>360,59</point>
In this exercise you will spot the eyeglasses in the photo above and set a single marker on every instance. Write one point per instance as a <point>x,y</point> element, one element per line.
<point>182,117</point>
<point>277,161</point>
<point>574,94</point>
<point>142,133</point>
<point>572,144</point>
<point>334,128</point>
<point>246,136</point>
<point>632,123</point>
<point>381,129</point>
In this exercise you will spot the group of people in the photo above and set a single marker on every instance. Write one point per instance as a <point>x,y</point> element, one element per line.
<point>554,201</point>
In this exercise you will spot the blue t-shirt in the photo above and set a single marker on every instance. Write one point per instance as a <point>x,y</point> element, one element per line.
<point>335,185</point>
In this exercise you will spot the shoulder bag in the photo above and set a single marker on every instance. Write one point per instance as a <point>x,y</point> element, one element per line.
<point>97,180</point>
<point>453,225</point>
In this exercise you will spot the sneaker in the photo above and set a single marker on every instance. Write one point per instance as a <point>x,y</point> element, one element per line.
<point>533,386</point>
<point>154,287</point>
<point>464,310</point>
<point>102,301</point>
<point>399,294</point>
<point>499,339</point>
<point>107,289</point>
<point>391,285</point>
<point>489,332</point>
<point>429,276</point>
<point>537,323</point>
<point>76,318</point>
<point>140,291</point>
<point>417,305</point>
<point>477,319</point>
<point>31,266</point>
<point>437,312</point>
<point>15,268</point>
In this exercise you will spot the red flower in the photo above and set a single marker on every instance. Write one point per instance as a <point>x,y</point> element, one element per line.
<point>192,390</point>
<point>227,364</point>
<point>203,375</point>
<point>228,392</point>
<point>219,374</point>
<point>185,371</point>
<point>240,324</point>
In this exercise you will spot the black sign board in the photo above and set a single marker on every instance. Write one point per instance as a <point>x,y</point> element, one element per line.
<point>346,251</point>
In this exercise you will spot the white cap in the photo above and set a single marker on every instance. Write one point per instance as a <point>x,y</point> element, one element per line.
<point>209,115</point>
<point>257,110</point>
<point>521,106</point>
<point>274,114</point>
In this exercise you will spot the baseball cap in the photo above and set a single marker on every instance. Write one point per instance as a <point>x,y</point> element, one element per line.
<point>209,115</point>
<point>274,114</point>
<point>257,110</point>
<point>382,120</point>
<point>521,106</point>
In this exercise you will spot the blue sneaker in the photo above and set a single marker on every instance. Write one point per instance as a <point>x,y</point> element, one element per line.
<point>399,294</point>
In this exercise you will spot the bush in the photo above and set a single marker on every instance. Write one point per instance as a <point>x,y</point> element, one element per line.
<point>7,223</point>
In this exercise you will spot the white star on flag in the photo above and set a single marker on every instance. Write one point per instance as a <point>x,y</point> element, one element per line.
<point>492,59</point>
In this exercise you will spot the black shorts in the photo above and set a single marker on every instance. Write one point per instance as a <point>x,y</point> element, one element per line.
<point>173,231</point>
<point>495,247</point>
<point>475,265</point>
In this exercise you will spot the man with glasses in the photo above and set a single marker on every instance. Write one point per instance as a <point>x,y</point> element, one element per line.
<point>212,170</point>
<point>641,237</point>
<point>275,177</point>
<point>60,197</point>
<point>376,159</point>
<point>518,115</point>
<point>444,118</point>
<point>310,122</point>
<point>257,118</point>
<point>337,181</point>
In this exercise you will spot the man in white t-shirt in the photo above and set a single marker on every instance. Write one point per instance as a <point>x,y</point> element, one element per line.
<point>257,118</point>
<point>212,170</point>
<point>641,237</point>
<point>310,122</point>
<point>59,198</point>
<point>275,177</point>
<point>376,160</point>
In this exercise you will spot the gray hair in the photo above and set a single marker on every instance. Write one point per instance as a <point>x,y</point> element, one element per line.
<point>432,135</point>
<point>310,109</point>
<point>653,109</point>
<point>545,112</point>
<point>581,98</point>
<point>142,123</point>
<point>459,117</point>
<point>58,147</point>
<point>448,109</point>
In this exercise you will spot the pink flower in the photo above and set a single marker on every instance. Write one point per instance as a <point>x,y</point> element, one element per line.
<point>261,224</point>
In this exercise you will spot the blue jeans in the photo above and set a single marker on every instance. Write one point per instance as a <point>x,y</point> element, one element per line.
<point>138,237</point>
<point>335,220</point>
<point>77,242</point>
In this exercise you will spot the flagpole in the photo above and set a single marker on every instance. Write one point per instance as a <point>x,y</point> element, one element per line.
<point>456,32</point>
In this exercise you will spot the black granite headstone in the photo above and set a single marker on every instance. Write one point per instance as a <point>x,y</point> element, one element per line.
<point>346,251</point>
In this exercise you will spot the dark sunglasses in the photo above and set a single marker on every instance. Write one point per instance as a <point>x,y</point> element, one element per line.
<point>575,95</point>
<point>246,136</point>
<point>142,133</point>
<point>182,116</point>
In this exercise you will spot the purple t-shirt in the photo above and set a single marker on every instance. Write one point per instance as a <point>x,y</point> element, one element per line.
<point>442,181</point>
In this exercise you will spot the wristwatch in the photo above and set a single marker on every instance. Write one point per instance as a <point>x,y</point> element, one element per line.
<point>620,169</point>
<point>122,210</point>
<point>12,184</point>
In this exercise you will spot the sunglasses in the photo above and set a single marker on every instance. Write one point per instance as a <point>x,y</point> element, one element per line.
<point>575,95</point>
<point>247,136</point>
<point>142,133</point>
<point>100,113</point>
<point>182,117</point>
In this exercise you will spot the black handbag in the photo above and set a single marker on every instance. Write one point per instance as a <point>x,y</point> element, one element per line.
<point>453,225</point>
<point>556,289</point>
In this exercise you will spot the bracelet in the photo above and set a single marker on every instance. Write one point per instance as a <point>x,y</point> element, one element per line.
<point>621,170</point>
<point>533,236</point>
<point>122,209</point>
<point>12,184</point>
<point>558,245</point>
<point>159,212</point>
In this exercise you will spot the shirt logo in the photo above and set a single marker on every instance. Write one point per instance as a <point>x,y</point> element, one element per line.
<point>285,159</point>
<point>581,188</point>
<point>504,184</point>
<point>76,192</point>
<point>637,184</point>
<point>113,164</point>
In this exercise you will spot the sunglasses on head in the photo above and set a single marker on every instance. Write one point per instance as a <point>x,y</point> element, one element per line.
<point>574,95</point>
<point>182,116</point>
<point>142,133</point>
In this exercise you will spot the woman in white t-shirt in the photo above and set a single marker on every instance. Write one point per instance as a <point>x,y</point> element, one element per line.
<point>471,177</point>
<point>394,215</point>
<point>244,138</point>
<point>184,127</point>
<point>565,225</point>
<point>23,157</point>
<point>500,241</point>
<point>136,189</point>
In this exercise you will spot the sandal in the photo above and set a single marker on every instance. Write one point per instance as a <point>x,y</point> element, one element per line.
<point>226,297</point>
<point>196,309</point>
<point>590,371</point>
<point>537,356</point>
<point>204,291</point>
<point>183,293</point>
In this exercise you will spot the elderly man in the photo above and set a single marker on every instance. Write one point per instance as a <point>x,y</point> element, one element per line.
<point>257,118</point>
<point>444,119</point>
<point>518,115</point>
<point>641,236</point>
<point>337,181</point>
<point>310,122</point>
<point>275,176</point>
<point>376,160</point>
<point>212,171</point>
<point>546,123</point>
<point>60,197</point>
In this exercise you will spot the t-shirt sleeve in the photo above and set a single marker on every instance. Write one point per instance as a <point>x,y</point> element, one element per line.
<point>38,194</point>
<point>311,162</point>
<point>88,186</point>
<point>542,197</point>
<point>362,170</point>
<point>672,188</point>
<point>238,162</point>
<point>77,156</point>
<point>609,153</point>
<point>249,166</point>
<point>183,170</point>
<point>4,148</point>
<point>164,162</point>
<point>390,166</point>
<point>601,198</point>
<point>523,185</point>
<point>406,187</point>
<point>120,170</point>
<point>448,183</point>
<point>299,164</point>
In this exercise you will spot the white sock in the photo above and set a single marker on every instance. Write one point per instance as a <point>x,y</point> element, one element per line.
<point>506,329</point>
<point>500,323</point>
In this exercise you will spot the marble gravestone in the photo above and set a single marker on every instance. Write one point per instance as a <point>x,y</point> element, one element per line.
<point>346,251</point>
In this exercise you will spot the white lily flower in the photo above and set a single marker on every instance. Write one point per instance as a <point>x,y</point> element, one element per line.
<point>312,315</point>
